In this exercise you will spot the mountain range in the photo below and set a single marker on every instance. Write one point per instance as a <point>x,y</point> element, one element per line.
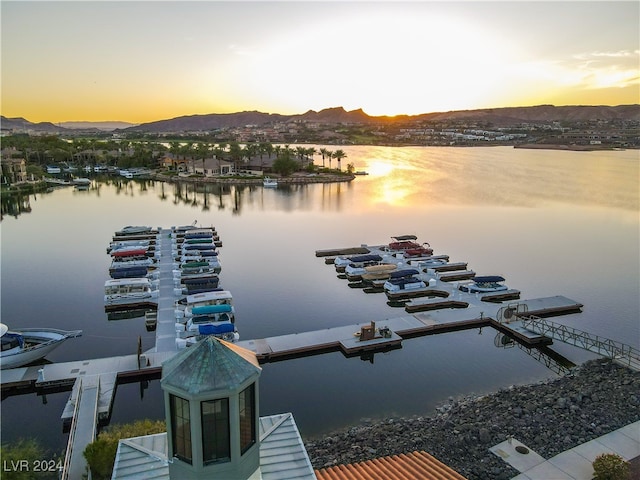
<point>506,116</point>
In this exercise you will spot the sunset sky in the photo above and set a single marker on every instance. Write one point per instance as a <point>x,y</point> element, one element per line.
<point>145,61</point>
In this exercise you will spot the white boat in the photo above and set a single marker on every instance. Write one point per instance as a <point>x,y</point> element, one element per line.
<point>131,230</point>
<point>212,320</point>
<point>402,280</point>
<point>128,243</point>
<point>134,260</point>
<point>269,182</point>
<point>124,291</point>
<point>28,345</point>
<point>219,297</point>
<point>81,181</point>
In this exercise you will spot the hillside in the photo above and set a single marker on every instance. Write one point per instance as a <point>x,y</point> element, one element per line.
<point>338,115</point>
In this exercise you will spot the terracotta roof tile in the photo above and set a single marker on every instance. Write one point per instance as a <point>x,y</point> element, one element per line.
<point>417,465</point>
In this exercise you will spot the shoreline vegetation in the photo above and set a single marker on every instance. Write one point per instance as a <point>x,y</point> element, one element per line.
<point>549,417</point>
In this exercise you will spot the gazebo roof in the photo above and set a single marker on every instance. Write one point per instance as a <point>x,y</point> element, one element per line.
<point>208,366</point>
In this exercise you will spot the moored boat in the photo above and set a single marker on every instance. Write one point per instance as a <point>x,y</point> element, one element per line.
<point>28,345</point>
<point>184,307</point>
<point>133,230</point>
<point>126,291</point>
<point>484,284</point>
<point>406,279</point>
<point>269,182</point>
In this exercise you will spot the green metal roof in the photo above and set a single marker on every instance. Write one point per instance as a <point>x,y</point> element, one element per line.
<point>210,365</point>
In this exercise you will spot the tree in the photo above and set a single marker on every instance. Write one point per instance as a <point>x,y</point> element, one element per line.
<point>323,152</point>
<point>285,164</point>
<point>339,155</point>
<point>329,154</point>
<point>235,152</point>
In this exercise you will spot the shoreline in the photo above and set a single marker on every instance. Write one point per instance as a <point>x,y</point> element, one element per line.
<point>549,417</point>
<point>258,181</point>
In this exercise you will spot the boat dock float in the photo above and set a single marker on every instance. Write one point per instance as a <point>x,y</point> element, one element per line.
<point>351,342</point>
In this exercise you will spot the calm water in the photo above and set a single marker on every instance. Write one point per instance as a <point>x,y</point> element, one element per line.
<point>553,223</point>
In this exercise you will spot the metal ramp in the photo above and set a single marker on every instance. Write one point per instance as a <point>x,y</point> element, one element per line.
<point>618,351</point>
<point>83,427</point>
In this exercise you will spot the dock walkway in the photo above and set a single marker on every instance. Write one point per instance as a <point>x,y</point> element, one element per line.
<point>93,382</point>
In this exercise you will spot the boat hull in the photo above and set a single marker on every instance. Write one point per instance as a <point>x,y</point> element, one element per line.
<point>44,341</point>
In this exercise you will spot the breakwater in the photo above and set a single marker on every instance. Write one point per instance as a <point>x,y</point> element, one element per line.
<point>550,417</point>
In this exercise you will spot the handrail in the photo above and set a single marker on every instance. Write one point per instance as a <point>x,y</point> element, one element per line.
<point>72,433</point>
<point>619,351</point>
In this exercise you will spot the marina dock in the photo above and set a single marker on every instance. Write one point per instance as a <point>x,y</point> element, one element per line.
<point>93,382</point>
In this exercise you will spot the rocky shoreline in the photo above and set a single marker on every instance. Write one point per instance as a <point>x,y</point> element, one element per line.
<point>550,417</point>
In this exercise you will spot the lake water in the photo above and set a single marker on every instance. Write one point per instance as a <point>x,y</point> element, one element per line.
<point>551,222</point>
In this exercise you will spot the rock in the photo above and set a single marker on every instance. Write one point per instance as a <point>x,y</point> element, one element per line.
<point>549,417</point>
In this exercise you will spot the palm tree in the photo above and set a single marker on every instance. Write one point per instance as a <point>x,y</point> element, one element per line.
<point>323,152</point>
<point>235,151</point>
<point>329,154</point>
<point>339,155</point>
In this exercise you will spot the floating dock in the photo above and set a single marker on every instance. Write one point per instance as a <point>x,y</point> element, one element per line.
<point>93,382</point>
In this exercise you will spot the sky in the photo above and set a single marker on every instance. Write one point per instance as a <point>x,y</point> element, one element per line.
<point>153,60</point>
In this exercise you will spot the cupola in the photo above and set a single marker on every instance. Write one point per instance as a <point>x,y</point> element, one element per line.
<point>211,406</point>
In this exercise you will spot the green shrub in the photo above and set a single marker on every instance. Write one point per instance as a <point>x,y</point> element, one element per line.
<point>609,466</point>
<point>26,460</point>
<point>101,453</point>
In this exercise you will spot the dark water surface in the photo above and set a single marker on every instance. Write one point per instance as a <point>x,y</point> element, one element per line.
<point>552,223</point>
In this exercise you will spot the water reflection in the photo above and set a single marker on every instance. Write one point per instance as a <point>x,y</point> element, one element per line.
<point>541,219</point>
<point>16,205</point>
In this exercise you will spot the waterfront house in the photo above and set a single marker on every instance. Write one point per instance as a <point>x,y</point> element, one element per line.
<point>12,169</point>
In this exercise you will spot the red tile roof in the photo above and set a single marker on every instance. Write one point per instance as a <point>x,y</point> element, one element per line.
<point>417,465</point>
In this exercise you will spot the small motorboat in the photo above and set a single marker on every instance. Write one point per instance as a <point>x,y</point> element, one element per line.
<point>269,182</point>
<point>489,283</point>
<point>28,345</point>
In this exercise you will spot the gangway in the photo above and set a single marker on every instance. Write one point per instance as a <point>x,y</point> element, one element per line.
<point>618,351</point>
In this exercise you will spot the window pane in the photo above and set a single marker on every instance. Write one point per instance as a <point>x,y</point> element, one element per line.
<point>180,428</point>
<point>215,431</point>
<point>247,420</point>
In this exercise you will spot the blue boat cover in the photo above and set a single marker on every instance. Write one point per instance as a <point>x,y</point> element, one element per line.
<point>365,258</point>
<point>209,309</point>
<point>404,273</point>
<point>212,329</point>
<point>403,281</point>
<point>193,291</point>
<point>199,246</point>
<point>128,272</point>
<point>212,279</point>
<point>488,279</point>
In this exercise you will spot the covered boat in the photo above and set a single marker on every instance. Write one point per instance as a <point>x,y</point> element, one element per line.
<point>133,230</point>
<point>403,242</point>
<point>221,297</point>
<point>483,284</point>
<point>126,291</point>
<point>420,251</point>
<point>404,280</point>
<point>28,345</point>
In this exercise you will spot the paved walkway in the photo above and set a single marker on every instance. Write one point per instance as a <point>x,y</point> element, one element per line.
<point>573,464</point>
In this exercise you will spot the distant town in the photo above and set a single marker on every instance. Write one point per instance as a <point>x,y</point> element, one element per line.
<point>254,144</point>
